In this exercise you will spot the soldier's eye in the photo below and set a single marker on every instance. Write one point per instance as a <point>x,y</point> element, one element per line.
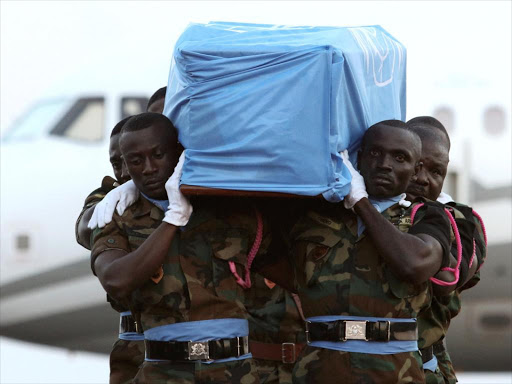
<point>400,158</point>
<point>374,153</point>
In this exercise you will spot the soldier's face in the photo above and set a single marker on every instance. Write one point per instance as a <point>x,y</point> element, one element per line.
<point>429,180</point>
<point>150,159</point>
<point>389,160</point>
<point>116,160</point>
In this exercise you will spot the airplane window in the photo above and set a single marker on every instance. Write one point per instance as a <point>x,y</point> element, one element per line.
<point>446,116</point>
<point>84,121</point>
<point>38,120</point>
<point>494,120</point>
<point>133,106</point>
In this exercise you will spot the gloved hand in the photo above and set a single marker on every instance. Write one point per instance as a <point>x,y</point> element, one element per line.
<point>403,201</point>
<point>179,210</point>
<point>357,186</point>
<point>122,197</point>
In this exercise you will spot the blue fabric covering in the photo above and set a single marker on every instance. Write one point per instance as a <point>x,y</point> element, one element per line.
<point>361,346</point>
<point>431,365</point>
<point>203,330</point>
<point>269,108</point>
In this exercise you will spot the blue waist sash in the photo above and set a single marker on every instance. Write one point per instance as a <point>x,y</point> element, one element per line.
<point>203,330</point>
<point>361,346</point>
<point>131,336</point>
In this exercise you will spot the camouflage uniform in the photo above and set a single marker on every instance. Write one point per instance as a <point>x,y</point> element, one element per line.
<point>196,284</point>
<point>341,273</point>
<point>433,323</point>
<point>91,200</point>
<point>126,355</point>
<point>125,359</point>
<point>273,319</point>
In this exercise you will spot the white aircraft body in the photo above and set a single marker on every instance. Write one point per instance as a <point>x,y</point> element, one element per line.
<point>57,153</point>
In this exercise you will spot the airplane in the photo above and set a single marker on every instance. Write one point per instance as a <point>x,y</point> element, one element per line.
<point>57,152</point>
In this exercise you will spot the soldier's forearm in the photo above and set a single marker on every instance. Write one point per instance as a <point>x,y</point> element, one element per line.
<point>121,274</point>
<point>413,258</point>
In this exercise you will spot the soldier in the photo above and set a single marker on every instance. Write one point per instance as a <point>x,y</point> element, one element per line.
<point>192,308</point>
<point>433,323</point>
<point>128,350</point>
<point>363,278</point>
<point>276,323</point>
<point>82,232</point>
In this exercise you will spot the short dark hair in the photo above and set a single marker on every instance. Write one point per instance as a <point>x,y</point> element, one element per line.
<point>159,94</point>
<point>147,119</point>
<point>423,125</point>
<point>119,126</point>
<point>389,123</point>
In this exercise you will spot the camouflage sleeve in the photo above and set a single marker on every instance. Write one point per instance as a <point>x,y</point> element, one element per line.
<point>473,242</point>
<point>110,237</point>
<point>466,231</point>
<point>480,252</point>
<point>432,220</point>
<point>107,184</point>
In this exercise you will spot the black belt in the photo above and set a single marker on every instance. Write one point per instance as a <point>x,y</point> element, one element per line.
<point>343,330</point>
<point>127,323</point>
<point>197,350</point>
<point>428,353</point>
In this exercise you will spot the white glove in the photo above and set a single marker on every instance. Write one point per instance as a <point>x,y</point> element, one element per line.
<point>444,198</point>
<point>357,187</point>
<point>179,210</point>
<point>122,197</point>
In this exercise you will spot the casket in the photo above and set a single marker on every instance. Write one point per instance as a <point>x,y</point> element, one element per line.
<point>268,108</point>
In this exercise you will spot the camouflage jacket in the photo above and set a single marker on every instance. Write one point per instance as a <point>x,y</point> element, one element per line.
<point>273,314</point>
<point>197,283</point>
<point>341,273</point>
<point>91,200</point>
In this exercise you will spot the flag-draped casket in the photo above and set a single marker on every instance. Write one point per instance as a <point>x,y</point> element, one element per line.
<point>269,108</point>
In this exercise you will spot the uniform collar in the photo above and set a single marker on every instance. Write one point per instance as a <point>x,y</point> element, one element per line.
<point>162,204</point>
<point>145,207</point>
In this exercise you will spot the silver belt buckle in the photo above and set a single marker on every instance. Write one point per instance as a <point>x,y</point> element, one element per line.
<point>245,345</point>
<point>242,345</point>
<point>355,330</point>
<point>307,332</point>
<point>198,350</point>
